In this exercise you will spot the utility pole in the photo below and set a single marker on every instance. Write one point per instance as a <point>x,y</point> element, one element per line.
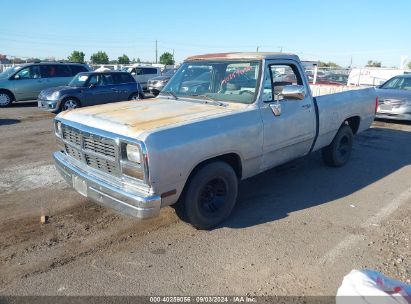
<point>156,51</point>
<point>173,57</point>
<point>257,48</point>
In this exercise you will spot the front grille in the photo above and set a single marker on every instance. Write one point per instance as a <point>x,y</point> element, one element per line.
<point>73,152</point>
<point>102,164</point>
<point>97,152</point>
<point>72,136</point>
<point>100,147</point>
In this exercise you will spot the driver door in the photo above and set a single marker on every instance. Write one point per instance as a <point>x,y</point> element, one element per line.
<point>98,91</point>
<point>290,134</point>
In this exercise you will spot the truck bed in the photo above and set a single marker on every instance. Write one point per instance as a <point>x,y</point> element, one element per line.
<point>335,108</point>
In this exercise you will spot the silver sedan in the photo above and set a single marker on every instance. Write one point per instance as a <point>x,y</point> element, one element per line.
<point>395,98</point>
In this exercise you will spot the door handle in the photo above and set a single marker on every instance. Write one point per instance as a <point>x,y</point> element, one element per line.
<point>115,90</point>
<point>306,106</point>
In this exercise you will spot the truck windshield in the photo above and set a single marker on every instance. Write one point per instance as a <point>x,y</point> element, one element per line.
<point>231,81</point>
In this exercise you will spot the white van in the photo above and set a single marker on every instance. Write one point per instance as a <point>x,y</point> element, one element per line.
<point>143,74</point>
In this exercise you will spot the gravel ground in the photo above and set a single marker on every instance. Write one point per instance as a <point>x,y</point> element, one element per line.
<point>296,230</point>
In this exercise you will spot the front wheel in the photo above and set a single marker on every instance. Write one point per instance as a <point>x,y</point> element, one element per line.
<point>338,152</point>
<point>211,195</point>
<point>69,104</point>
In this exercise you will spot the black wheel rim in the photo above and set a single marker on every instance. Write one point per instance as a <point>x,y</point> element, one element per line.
<point>344,147</point>
<point>213,195</point>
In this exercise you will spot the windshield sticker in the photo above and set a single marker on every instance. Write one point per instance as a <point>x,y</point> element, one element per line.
<point>236,73</point>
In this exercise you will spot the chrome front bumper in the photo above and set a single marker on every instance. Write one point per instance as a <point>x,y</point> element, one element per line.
<point>136,204</point>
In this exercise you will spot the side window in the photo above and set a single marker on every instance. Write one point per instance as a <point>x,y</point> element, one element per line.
<point>107,79</point>
<point>122,78</point>
<point>139,71</point>
<point>149,71</point>
<point>127,78</point>
<point>48,71</point>
<point>95,80</point>
<point>75,69</point>
<point>55,70</point>
<point>62,70</point>
<point>278,76</point>
<point>31,72</point>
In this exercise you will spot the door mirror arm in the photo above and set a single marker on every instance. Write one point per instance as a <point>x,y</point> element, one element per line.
<point>276,107</point>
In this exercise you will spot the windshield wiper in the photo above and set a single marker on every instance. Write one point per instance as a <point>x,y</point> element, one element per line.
<point>209,100</point>
<point>170,93</point>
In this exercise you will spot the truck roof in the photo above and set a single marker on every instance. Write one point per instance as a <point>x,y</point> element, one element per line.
<point>244,55</point>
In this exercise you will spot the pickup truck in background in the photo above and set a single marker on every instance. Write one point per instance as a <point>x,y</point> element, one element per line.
<point>221,118</point>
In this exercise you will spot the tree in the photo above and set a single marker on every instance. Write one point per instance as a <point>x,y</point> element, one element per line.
<point>409,65</point>
<point>123,59</point>
<point>372,63</point>
<point>329,64</point>
<point>99,58</point>
<point>166,58</point>
<point>77,56</point>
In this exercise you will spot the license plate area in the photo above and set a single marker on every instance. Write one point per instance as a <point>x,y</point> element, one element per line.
<point>80,185</point>
<point>385,107</point>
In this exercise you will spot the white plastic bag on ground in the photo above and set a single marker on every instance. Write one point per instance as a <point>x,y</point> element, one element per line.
<point>369,286</point>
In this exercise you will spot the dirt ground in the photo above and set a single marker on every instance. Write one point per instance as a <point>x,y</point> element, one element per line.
<point>296,230</point>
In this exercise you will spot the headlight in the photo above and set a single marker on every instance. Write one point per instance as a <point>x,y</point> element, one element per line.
<point>55,95</point>
<point>133,153</point>
<point>57,127</point>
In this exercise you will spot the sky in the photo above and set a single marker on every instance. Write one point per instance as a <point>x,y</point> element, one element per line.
<point>336,30</point>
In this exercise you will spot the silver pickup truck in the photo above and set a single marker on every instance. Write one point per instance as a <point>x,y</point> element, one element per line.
<point>221,118</point>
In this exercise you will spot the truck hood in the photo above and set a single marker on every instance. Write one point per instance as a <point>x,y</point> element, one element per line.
<point>133,118</point>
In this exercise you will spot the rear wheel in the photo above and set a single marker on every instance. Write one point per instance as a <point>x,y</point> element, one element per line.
<point>5,99</point>
<point>211,195</point>
<point>69,103</point>
<point>338,152</point>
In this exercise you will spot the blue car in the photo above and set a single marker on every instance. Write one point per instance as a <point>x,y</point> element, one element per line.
<point>91,88</point>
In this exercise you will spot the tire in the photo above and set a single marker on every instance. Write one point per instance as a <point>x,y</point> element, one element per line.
<point>69,103</point>
<point>5,99</point>
<point>211,195</point>
<point>136,96</point>
<point>338,152</point>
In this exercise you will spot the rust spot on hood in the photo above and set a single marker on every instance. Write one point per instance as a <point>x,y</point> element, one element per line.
<point>132,118</point>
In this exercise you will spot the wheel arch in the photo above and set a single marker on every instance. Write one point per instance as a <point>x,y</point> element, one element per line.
<point>62,99</point>
<point>232,159</point>
<point>9,92</point>
<point>354,123</point>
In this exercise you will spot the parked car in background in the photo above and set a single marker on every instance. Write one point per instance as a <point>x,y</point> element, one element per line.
<point>156,84</point>
<point>91,88</point>
<point>394,98</point>
<point>25,82</point>
<point>142,74</point>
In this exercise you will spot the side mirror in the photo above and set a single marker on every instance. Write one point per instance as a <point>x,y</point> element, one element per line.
<point>293,92</point>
